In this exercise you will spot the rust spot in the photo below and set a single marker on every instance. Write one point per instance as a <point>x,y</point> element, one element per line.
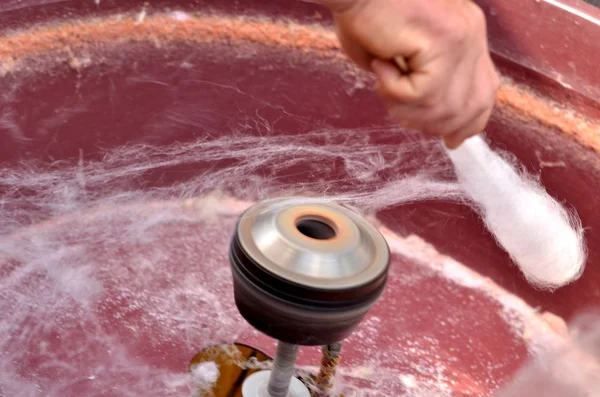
<point>68,37</point>
<point>330,360</point>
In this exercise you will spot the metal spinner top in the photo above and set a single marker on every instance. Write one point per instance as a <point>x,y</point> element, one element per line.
<point>325,246</point>
<point>306,273</point>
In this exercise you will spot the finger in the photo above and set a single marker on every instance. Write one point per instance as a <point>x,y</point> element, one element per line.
<point>393,83</point>
<point>481,105</point>
<point>472,128</point>
<point>455,128</point>
<point>414,117</point>
<point>455,110</point>
<point>444,118</point>
<point>461,88</point>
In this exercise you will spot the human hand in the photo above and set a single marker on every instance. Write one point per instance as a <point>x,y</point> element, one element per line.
<point>450,88</point>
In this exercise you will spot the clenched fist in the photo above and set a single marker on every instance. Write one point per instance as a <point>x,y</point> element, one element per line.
<point>449,87</point>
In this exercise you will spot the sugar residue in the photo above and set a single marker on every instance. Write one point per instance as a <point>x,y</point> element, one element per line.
<point>205,375</point>
<point>165,292</point>
<point>109,287</point>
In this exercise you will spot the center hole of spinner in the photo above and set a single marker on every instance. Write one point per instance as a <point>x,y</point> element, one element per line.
<point>315,228</point>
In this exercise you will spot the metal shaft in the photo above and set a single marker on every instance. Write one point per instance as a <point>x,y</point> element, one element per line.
<point>283,370</point>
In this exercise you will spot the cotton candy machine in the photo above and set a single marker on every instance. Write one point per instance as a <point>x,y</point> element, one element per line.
<point>136,134</point>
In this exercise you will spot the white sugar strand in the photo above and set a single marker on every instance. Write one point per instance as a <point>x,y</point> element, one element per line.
<point>544,239</point>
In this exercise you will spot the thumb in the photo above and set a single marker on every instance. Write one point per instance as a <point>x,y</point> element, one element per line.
<point>393,83</point>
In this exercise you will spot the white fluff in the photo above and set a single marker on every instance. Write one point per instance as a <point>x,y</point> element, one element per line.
<point>542,237</point>
<point>205,375</point>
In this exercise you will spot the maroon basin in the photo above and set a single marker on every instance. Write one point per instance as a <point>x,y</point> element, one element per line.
<point>134,134</point>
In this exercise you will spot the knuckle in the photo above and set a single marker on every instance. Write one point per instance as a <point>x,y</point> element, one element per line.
<point>478,127</point>
<point>475,20</point>
<point>478,17</point>
<point>482,106</point>
<point>478,110</point>
<point>467,26</point>
<point>481,123</point>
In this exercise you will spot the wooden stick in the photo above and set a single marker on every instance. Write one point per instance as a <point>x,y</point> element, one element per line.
<point>402,64</point>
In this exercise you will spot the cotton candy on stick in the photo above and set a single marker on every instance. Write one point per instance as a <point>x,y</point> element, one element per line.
<point>542,237</point>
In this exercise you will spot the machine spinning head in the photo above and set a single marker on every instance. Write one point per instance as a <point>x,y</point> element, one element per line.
<point>306,274</point>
